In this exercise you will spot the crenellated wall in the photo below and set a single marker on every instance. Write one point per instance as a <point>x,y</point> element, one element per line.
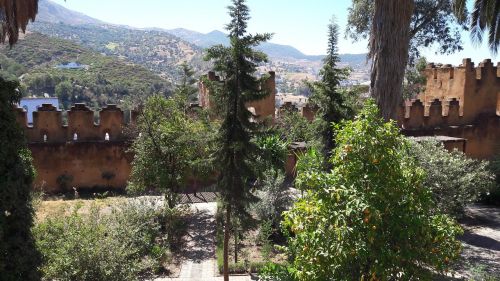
<point>264,108</point>
<point>90,154</point>
<point>462,102</point>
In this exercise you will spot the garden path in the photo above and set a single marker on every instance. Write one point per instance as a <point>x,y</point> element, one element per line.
<point>199,252</point>
<point>481,240</point>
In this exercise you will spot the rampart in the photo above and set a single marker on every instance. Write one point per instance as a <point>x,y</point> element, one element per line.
<point>85,154</point>
<point>461,102</point>
<point>264,108</point>
<point>81,154</point>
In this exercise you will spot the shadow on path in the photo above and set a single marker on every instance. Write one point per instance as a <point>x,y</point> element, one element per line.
<point>200,240</point>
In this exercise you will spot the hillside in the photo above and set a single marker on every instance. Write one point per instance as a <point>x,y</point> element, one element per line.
<point>37,60</point>
<point>49,11</point>
<point>159,51</point>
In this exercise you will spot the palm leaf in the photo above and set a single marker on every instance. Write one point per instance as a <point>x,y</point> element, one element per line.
<point>14,16</point>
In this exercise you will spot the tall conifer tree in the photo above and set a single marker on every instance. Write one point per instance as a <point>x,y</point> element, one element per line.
<point>236,65</point>
<point>327,94</point>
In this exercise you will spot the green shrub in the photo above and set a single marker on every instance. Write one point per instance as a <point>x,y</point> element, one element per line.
<point>493,197</point>
<point>274,197</point>
<point>370,217</point>
<point>125,244</point>
<point>19,259</point>
<point>295,128</point>
<point>265,231</point>
<point>454,179</point>
<point>276,272</point>
<point>479,273</point>
<point>256,266</point>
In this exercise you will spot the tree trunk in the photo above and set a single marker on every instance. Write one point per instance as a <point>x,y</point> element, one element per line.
<point>235,246</point>
<point>227,233</point>
<point>389,42</point>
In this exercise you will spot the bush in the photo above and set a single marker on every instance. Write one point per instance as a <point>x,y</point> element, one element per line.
<point>274,197</point>
<point>265,231</point>
<point>256,266</point>
<point>276,272</point>
<point>125,244</point>
<point>454,179</point>
<point>295,128</point>
<point>19,259</point>
<point>370,217</point>
<point>493,197</point>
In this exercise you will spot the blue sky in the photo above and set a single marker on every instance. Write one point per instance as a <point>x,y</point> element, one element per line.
<point>300,23</point>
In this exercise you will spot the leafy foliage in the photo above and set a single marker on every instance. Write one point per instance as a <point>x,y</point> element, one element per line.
<point>485,17</point>
<point>186,89</point>
<point>415,79</point>
<point>273,153</point>
<point>295,128</point>
<point>168,149</point>
<point>433,23</point>
<point>274,198</point>
<point>493,197</point>
<point>454,179</point>
<point>18,258</point>
<point>370,217</point>
<point>276,272</point>
<point>126,244</point>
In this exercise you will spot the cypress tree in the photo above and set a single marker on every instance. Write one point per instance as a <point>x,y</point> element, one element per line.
<point>327,94</point>
<point>236,65</point>
<point>19,259</point>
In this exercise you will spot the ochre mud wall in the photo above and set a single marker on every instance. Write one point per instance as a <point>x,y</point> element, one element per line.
<point>82,154</point>
<point>87,164</point>
<point>461,102</point>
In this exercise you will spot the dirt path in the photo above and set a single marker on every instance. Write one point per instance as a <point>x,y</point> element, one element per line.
<point>199,251</point>
<point>200,245</point>
<point>481,241</point>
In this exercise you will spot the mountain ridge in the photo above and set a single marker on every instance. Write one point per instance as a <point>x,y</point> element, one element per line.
<point>52,12</point>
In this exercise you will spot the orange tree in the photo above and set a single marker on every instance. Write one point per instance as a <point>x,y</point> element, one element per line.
<point>370,217</point>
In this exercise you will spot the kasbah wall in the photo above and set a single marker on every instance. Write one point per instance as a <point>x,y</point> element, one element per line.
<point>94,155</point>
<point>460,102</point>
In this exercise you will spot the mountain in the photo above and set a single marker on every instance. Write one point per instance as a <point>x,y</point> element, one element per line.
<point>75,73</point>
<point>273,50</point>
<point>217,37</point>
<point>162,51</point>
<point>159,51</point>
<point>49,11</point>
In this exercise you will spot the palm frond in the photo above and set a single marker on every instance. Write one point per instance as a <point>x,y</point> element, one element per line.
<point>14,16</point>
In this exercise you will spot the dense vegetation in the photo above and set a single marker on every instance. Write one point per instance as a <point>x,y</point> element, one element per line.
<point>19,259</point>
<point>128,242</point>
<point>454,179</point>
<point>170,149</point>
<point>371,216</point>
<point>102,80</point>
